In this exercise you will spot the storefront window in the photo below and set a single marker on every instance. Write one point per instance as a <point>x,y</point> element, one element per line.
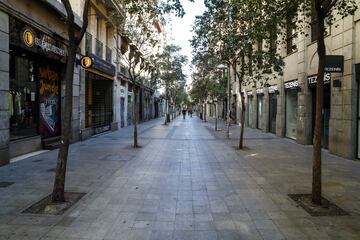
<point>22,98</point>
<point>272,112</point>
<point>291,113</point>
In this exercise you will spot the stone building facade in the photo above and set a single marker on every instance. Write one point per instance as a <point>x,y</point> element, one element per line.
<point>285,107</point>
<point>33,50</point>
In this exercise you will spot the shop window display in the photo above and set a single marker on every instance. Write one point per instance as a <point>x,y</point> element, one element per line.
<point>23,99</point>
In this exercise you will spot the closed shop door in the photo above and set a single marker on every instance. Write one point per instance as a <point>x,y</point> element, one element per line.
<point>122,112</point>
<point>272,112</point>
<point>99,104</point>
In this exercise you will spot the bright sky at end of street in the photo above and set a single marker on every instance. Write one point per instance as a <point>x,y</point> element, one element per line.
<point>180,29</point>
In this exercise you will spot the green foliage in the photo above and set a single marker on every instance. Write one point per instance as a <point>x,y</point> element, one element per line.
<point>241,34</point>
<point>169,71</point>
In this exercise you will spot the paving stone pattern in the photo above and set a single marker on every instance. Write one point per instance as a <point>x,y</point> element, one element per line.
<point>186,182</point>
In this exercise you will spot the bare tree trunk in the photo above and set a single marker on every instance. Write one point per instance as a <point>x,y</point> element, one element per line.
<point>243,107</point>
<point>205,111</point>
<point>58,193</point>
<point>316,180</point>
<point>135,117</point>
<point>59,183</point>
<point>166,111</point>
<point>242,120</point>
<point>216,117</point>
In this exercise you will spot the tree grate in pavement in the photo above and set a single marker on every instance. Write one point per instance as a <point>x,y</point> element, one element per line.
<point>5,184</point>
<point>325,209</point>
<point>45,206</point>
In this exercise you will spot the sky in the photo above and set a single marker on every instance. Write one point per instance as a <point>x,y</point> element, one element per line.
<point>180,29</point>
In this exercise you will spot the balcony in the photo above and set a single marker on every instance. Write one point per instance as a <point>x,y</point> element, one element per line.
<point>99,46</point>
<point>108,56</point>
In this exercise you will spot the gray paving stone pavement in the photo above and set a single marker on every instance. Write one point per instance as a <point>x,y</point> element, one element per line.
<point>186,182</point>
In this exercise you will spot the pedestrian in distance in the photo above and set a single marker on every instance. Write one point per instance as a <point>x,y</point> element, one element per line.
<point>184,113</point>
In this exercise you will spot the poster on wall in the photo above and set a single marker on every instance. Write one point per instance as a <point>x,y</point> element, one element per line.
<point>49,100</point>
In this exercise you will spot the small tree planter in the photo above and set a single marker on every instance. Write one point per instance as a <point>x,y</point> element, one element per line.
<point>325,209</point>
<point>47,207</point>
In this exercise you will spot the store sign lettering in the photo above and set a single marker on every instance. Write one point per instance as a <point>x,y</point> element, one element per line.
<point>292,84</point>
<point>259,91</point>
<point>312,80</point>
<point>273,89</point>
<point>44,43</point>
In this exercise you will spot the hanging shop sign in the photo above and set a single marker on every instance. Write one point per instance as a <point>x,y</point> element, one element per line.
<point>86,62</point>
<point>334,63</point>
<point>273,89</point>
<point>93,62</point>
<point>312,80</point>
<point>291,84</point>
<point>34,40</point>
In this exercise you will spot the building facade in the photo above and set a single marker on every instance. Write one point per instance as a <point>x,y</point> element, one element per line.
<point>286,106</point>
<point>33,52</point>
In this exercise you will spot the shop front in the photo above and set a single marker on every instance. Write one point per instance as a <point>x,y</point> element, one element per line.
<point>291,107</point>
<point>99,94</point>
<point>36,70</point>
<point>273,92</point>
<point>312,80</point>
<point>260,105</point>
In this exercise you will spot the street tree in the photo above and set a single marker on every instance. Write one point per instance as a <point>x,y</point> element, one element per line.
<point>74,37</point>
<point>142,16</point>
<point>241,33</point>
<point>320,13</point>
<point>170,63</point>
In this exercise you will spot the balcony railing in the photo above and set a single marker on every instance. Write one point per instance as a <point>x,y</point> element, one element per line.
<point>88,42</point>
<point>108,56</point>
<point>99,46</point>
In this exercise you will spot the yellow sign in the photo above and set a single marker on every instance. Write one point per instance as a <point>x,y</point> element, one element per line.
<point>86,62</point>
<point>29,38</point>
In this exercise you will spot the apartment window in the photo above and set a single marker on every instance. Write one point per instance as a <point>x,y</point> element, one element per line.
<point>291,34</point>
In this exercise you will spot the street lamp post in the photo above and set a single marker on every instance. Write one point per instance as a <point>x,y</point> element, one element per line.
<point>224,67</point>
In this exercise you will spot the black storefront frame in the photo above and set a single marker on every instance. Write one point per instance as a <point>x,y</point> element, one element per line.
<point>357,76</point>
<point>16,51</point>
<point>272,96</point>
<point>102,119</point>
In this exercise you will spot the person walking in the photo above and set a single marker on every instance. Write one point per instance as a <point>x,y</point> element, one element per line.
<point>184,113</point>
